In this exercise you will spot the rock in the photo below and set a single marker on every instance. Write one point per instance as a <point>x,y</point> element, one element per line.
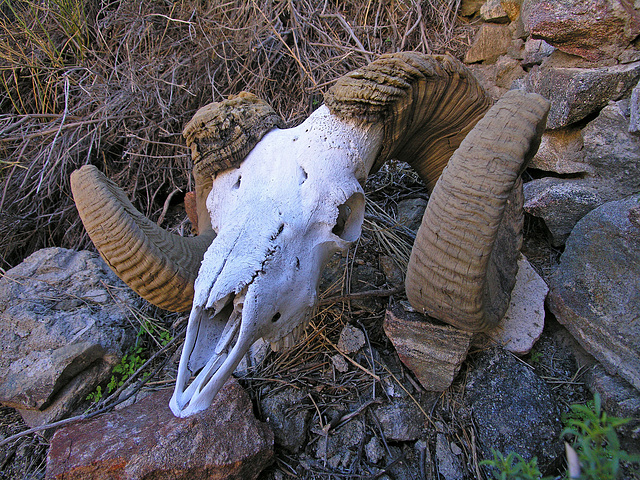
<point>496,78</point>
<point>512,7</point>
<point>393,273</point>
<point>449,466</point>
<point>535,51</point>
<point>492,11</point>
<point>147,441</point>
<point>619,399</point>
<point>610,160</point>
<point>523,321</point>
<point>339,363</point>
<point>491,41</point>
<point>410,212</point>
<point>560,151</point>
<point>562,203</point>
<point>513,409</point>
<point>432,351</point>
<point>469,8</point>
<point>374,450</point>
<point>634,110</point>
<point>348,435</point>
<point>288,417</point>
<point>575,93</point>
<point>64,319</point>
<point>592,29</point>
<point>401,420</point>
<point>595,292</point>
<point>351,339</point>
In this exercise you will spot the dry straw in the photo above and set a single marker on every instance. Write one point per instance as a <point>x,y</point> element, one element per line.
<point>113,83</point>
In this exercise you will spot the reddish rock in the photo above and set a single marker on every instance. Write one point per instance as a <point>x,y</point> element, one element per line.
<point>432,351</point>
<point>592,29</point>
<point>145,441</point>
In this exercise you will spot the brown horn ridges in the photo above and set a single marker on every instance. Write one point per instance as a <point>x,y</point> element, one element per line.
<point>428,104</point>
<point>161,267</point>
<point>462,266</point>
<point>221,135</point>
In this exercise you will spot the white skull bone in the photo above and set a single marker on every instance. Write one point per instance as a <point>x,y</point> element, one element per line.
<point>295,200</point>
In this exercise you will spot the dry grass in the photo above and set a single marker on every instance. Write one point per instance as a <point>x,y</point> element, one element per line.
<point>113,83</point>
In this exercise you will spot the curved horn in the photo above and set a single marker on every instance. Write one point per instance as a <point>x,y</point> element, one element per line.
<point>428,104</point>
<point>463,263</point>
<point>160,266</point>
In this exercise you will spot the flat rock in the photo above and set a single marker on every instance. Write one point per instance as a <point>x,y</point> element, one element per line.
<point>576,93</point>
<point>496,78</point>
<point>147,441</point>
<point>523,321</point>
<point>491,41</point>
<point>449,465</point>
<point>595,292</point>
<point>65,322</point>
<point>433,351</point>
<point>592,29</point>
<point>410,212</point>
<point>513,409</point>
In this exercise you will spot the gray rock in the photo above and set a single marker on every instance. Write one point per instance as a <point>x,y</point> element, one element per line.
<point>147,441</point>
<point>374,450</point>
<point>610,159</point>
<point>410,212</point>
<point>349,435</point>
<point>634,110</point>
<point>535,51</point>
<point>592,29</point>
<point>393,273</point>
<point>433,351</point>
<point>351,339</point>
<point>576,93</point>
<point>401,420</point>
<point>288,417</point>
<point>595,292</point>
<point>449,465</point>
<point>513,409</point>
<point>63,318</point>
<point>561,203</point>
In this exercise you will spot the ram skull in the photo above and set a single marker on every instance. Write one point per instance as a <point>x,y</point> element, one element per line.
<point>274,204</point>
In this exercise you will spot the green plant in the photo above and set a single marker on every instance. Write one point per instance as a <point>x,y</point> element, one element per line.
<point>594,439</point>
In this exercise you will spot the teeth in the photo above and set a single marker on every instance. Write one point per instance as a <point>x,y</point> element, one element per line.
<point>290,339</point>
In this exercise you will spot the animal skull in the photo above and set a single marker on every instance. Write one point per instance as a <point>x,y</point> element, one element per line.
<point>274,204</point>
<point>279,216</point>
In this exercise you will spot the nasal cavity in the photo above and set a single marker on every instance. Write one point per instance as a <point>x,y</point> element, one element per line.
<point>350,216</point>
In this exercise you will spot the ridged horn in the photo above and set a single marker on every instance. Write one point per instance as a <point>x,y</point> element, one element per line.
<point>463,263</point>
<point>162,267</point>
<point>427,104</point>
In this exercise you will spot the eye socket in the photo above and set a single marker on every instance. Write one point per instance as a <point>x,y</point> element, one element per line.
<point>276,317</point>
<point>350,216</point>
